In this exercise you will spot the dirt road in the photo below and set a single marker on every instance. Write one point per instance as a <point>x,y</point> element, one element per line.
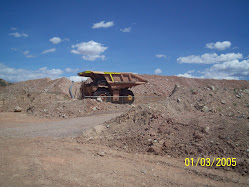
<point>62,128</point>
<point>37,152</point>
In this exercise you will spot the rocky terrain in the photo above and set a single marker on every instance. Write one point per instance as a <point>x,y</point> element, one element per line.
<point>4,82</point>
<point>207,122</point>
<point>172,117</point>
<point>51,98</point>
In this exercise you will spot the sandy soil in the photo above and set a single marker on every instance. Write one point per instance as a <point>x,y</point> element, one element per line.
<point>70,144</point>
<point>61,161</point>
<point>37,127</point>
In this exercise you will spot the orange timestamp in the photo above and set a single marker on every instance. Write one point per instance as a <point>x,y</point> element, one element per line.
<point>210,162</point>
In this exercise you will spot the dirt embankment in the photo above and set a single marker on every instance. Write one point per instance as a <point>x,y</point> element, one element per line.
<point>163,85</point>
<point>193,122</point>
<point>51,99</point>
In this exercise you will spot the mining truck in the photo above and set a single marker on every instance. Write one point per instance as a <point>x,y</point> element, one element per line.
<point>110,86</point>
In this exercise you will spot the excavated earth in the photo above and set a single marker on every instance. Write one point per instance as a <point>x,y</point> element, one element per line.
<point>172,117</point>
<point>201,123</point>
<point>51,99</point>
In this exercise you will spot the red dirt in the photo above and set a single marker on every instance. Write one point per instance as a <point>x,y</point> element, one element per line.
<point>181,127</point>
<point>197,118</point>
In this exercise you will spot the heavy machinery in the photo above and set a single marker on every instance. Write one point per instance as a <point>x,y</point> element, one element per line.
<point>111,86</point>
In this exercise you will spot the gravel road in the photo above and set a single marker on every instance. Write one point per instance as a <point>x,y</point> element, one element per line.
<point>64,128</point>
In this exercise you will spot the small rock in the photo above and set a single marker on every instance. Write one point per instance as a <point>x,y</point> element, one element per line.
<point>238,96</point>
<point>223,102</point>
<point>178,100</point>
<point>151,150</point>
<point>246,91</point>
<point>212,87</point>
<point>64,116</point>
<point>213,110</point>
<point>95,108</point>
<point>18,109</point>
<point>247,150</point>
<point>204,109</point>
<point>107,126</point>
<point>101,153</point>
<point>207,129</point>
<point>144,171</point>
<point>99,99</point>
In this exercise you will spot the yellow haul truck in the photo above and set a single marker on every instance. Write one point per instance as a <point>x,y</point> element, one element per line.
<point>111,86</point>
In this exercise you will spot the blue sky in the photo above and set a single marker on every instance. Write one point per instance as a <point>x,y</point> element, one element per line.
<point>201,38</point>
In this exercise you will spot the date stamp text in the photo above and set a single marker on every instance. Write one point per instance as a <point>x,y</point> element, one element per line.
<point>219,162</point>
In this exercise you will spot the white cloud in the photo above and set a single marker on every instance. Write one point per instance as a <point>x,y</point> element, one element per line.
<point>13,28</point>
<point>14,75</point>
<point>49,51</point>
<point>90,50</point>
<point>161,56</point>
<point>219,45</point>
<point>93,57</point>
<point>103,24</point>
<point>55,40</point>
<point>128,29</point>
<point>77,78</point>
<point>14,49</point>
<point>26,53</point>
<point>66,39</point>
<point>191,71</point>
<point>158,71</point>
<point>69,70</point>
<point>210,58</point>
<point>18,35</point>
<point>228,70</point>
<point>187,75</point>
<point>51,72</point>
<point>29,56</point>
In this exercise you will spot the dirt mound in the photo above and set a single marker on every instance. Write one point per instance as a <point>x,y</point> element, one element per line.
<point>51,99</point>
<point>190,123</point>
<point>163,85</point>
<point>54,105</point>
<point>59,86</point>
<point>4,83</point>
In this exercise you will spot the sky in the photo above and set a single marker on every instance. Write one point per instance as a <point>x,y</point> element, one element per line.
<point>59,38</point>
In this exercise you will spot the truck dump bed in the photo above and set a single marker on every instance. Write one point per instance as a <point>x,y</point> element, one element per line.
<point>116,80</point>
